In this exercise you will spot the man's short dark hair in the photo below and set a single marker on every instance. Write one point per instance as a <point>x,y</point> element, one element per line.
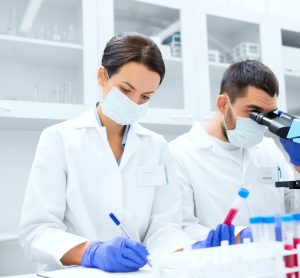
<point>240,75</point>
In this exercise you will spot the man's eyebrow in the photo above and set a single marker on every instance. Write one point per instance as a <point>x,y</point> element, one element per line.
<point>254,107</point>
<point>257,108</point>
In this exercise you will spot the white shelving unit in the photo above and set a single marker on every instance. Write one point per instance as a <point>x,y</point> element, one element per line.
<point>225,34</point>
<point>47,59</point>
<point>174,102</point>
<point>48,65</point>
<point>290,35</point>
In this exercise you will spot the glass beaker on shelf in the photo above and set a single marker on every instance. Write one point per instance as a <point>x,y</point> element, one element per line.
<point>36,92</point>
<point>70,33</point>
<point>56,36</point>
<point>67,92</point>
<point>55,95</point>
<point>12,23</point>
<point>176,45</point>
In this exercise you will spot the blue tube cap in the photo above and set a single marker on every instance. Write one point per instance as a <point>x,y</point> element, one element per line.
<point>296,216</point>
<point>244,193</point>
<point>268,219</point>
<point>286,218</point>
<point>255,220</point>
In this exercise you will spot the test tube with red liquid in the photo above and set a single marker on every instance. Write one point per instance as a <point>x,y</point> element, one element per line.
<point>287,229</point>
<point>239,199</point>
<point>296,218</point>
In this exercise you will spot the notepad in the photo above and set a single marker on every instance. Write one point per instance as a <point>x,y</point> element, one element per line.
<point>74,272</point>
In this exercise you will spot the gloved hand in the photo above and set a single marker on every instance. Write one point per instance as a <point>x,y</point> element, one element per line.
<point>246,233</point>
<point>293,150</point>
<point>214,238</point>
<point>117,255</point>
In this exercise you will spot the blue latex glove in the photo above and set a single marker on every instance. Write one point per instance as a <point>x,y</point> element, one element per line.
<point>214,238</point>
<point>246,233</point>
<point>117,255</point>
<point>293,150</point>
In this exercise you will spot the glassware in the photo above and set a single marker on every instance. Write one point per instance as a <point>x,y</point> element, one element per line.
<point>70,34</point>
<point>12,23</point>
<point>67,92</point>
<point>36,92</point>
<point>56,36</point>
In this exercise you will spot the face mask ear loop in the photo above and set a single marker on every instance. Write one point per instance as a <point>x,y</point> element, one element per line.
<point>108,79</point>
<point>102,88</point>
<point>232,111</point>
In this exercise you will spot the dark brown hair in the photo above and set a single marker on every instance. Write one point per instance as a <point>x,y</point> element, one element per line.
<point>132,47</point>
<point>240,75</point>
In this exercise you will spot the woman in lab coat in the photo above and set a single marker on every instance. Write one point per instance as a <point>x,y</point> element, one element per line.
<point>104,162</point>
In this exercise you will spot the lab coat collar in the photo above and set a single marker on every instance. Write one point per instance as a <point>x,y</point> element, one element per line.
<point>203,140</point>
<point>200,137</point>
<point>88,119</point>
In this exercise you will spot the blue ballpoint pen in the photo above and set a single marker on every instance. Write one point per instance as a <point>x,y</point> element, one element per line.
<point>118,223</point>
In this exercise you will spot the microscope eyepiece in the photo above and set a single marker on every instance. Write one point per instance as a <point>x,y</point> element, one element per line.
<point>276,123</point>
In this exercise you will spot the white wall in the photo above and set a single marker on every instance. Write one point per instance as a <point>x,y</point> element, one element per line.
<point>17,150</point>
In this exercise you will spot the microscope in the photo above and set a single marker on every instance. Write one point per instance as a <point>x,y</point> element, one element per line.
<point>285,126</point>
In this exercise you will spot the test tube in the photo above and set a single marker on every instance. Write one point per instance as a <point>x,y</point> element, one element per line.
<point>242,195</point>
<point>296,218</point>
<point>278,235</point>
<point>268,228</point>
<point>256,228</point>
<point>287,228</point>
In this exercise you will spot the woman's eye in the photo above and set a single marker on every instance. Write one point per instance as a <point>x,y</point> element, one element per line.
<point>145,97</point>
<point>125,91</point>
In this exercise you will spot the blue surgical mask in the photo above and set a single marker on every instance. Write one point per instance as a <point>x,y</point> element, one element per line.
<point>246,134</point>
<point>121,109</point>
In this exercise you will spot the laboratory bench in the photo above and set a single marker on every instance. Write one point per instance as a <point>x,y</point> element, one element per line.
<point>86,272</point>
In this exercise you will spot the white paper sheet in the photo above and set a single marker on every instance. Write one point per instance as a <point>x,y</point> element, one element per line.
<point>80,272</point>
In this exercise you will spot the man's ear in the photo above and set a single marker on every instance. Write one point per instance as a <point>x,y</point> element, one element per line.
<point>222,103</point>
<point>101,76</point>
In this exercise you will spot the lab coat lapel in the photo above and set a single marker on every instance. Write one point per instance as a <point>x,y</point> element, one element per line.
<point>88,120</point>
<point>116,206</point>
<point>132,144</point>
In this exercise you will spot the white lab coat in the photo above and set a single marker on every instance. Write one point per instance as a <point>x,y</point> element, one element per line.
<point>211,172</point>
<point>75,182</point>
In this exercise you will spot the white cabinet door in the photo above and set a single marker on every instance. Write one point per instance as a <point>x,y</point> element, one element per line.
<point>169,24</point>
<point>225,35</point>
<point>48,53</point>
<point>289,56</point>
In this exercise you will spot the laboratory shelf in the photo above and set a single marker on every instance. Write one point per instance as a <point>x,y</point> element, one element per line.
<point>292,91</point>
<point>8,237</point>
<point>40,52</point>
<point>290,73</point>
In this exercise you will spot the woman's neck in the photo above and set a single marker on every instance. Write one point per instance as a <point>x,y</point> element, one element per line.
<point>112,128</point>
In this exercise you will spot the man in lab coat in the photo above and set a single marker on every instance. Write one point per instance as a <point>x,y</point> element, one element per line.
<point>230,152</point>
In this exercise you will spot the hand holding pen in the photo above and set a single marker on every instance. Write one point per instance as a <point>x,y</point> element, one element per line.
<point>118,223</point>
<point>116,255</point>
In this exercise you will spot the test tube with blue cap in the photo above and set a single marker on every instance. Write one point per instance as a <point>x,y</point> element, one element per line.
<point>269,227</point>
<point>239,199</point>
<point>256,228</point>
